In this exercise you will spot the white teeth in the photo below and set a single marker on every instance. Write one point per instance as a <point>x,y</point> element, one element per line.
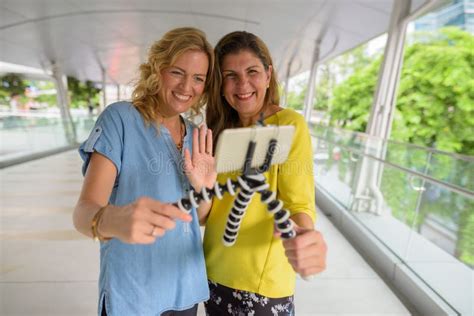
<point>244,96</point>
<point>182,97</point>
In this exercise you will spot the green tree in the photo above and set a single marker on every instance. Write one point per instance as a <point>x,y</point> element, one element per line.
<point>435,108</point>
<point>324,87</point>
<point>11,84</point>
<point>344,65</point>
<point>82,93</point>
<point>352,99</point>
<point>49,99</point>
<point>435,105</point>
<point>295,99</point>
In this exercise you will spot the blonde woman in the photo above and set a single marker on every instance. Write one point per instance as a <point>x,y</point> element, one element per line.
<point>137,161</point>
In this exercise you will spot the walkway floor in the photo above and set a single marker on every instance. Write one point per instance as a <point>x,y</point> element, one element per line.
<point>47,268</point>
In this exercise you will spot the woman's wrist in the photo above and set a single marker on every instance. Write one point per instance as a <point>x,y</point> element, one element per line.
<point>97,225</point>
<point>199,187</point>
<point>303,220</point>
<point>203,212</point>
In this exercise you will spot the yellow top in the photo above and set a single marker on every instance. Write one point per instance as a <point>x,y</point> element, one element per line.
<point>257,261</point>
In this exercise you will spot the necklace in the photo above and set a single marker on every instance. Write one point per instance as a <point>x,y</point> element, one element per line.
<point>179,145</point>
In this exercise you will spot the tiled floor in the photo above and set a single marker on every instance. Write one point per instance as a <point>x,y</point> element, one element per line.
<point>47,268</point>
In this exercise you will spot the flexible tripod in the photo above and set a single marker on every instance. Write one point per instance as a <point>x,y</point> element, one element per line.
<point>250,182</point>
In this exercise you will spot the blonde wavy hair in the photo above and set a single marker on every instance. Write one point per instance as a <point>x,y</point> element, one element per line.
<point>146,96</point>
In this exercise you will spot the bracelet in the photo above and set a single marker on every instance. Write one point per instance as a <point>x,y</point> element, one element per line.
<point>95,225</point>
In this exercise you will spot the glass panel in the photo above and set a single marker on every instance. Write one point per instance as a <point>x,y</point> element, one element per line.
<point>26,135</point>
<point>335,168</point>
<point>446,167</point>
<point>441,248</point>
<point>425,223</point>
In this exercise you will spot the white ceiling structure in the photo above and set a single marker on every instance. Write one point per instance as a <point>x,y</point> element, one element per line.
<point>87,35</point>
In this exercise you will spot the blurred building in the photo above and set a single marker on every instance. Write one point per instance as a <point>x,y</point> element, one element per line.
<point>459,13</point>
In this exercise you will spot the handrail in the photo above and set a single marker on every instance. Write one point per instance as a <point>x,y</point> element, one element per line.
<point>462,191</point>
<point>433,150</point>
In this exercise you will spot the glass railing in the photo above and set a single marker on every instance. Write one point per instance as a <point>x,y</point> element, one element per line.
<point>418,202</point>
<point>453,170</point>
<point>27,134</point>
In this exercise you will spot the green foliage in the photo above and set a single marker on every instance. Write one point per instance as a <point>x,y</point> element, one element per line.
<point>400,197</point>
<point>435,104</point>
<point>11,84</point>
<point>435,108</point>
<point>323,94</point>
<point>465,247</point>
<point>345,65</point>
<point>437,93</point>
<point>49,99</point>
<point>42,86</point>
<point>353,98</point>
<point>295,99</point>
<point>82,93</point>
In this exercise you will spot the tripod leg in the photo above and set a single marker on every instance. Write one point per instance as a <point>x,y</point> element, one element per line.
<point>281,216</point>
<point>235,217</point>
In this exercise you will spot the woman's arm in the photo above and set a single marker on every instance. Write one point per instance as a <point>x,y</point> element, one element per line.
<point>139,222</point>
<point>203,212</point>
<point>303,220</point>
<point>307,251</point>
<point>96,189</point>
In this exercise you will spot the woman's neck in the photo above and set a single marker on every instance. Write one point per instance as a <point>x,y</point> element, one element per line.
<point>251,120</point>
<point>177,130</point>
<point>172,123</point>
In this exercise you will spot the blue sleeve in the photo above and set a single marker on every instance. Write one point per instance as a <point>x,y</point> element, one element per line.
<point>106,138</point>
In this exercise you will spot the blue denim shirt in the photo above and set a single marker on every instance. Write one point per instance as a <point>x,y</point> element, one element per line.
<point>170,273</point>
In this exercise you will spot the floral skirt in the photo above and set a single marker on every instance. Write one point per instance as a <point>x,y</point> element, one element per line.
<point>228,301</point>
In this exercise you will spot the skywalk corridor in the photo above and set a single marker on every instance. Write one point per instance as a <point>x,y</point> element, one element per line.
<point>393,167</point>
<point>49,269</point>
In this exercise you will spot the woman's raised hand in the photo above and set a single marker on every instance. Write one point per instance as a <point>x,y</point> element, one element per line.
<point>141,222</point>
<point>200,167</point>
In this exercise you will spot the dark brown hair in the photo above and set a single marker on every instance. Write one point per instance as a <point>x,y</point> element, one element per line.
<point>220,115</point>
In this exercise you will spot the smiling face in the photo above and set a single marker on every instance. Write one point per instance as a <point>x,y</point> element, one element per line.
<point>183,82</point>
<point>245,82</point>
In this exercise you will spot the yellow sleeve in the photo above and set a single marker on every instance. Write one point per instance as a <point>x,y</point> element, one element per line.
<point>295,176</point>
